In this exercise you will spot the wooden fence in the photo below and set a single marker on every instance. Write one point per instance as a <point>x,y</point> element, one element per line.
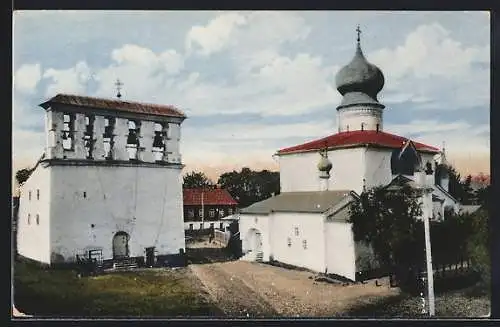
<point>222,237</point>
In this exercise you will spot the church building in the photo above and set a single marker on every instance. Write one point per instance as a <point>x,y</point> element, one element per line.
<point>108,185</point>
<point>306,224</point>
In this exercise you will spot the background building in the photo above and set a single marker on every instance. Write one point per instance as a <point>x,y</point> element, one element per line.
<point>206,207</point>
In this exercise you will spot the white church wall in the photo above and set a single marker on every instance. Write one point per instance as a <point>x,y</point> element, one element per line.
<point>260,223</point>
<point>340,249</point>
<point>299,172</point>
<point>91,203</point>
<point>33,239</point>
<point>377,163</point>
<point>289,231</point>
<point>363,118</point>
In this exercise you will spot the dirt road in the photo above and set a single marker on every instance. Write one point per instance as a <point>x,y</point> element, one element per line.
<point>240,288</point>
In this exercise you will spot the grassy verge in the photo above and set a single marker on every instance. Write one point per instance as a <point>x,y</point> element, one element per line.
<point>48,292</point>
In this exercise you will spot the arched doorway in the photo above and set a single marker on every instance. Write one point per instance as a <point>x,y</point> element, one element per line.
<point>253,241</point>
<point>120,245</point>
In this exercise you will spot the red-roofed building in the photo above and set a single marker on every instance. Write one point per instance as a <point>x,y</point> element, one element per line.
<point>207,207</point>
<point>307,224</point>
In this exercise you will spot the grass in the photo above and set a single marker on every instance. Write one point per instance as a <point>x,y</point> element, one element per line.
<point>49,292</point>
<point>470,301</point>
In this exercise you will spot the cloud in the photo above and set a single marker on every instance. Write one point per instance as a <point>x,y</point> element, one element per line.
<point>168,61</point>
<point>71,80</point>
<point>214,36</point>
<point>27,77</point>
<point>432,66</point>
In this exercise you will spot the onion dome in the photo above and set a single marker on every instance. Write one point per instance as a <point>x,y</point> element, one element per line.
<point>360,77</point>
<point>324,166</point>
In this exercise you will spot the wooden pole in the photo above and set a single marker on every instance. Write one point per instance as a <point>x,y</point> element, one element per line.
<point>430,273</point>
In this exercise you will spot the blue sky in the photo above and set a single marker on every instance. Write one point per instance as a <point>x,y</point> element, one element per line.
<point>254,82</point>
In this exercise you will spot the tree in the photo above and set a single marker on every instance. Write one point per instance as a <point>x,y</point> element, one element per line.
<point>196,180</point>
<point>467,191</point>
<point>387,221</point>
<point>478,246</point>
<point>248,186</point>
<point>22,175</point>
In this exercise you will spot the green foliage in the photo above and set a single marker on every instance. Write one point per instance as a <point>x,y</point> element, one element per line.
<point>248,186</point>
<point>478,245</point>
<point>22,175</point>
<point>196,180</point>
<point>387,221</point>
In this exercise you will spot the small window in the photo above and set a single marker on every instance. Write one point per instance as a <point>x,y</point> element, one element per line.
<point>221,226</point>
<point>211,225</point>
<point>221,212</point>
<point>211,213</point>
<point>29,195</point>
<point>296,231</point>
<point>201,226</point>
<point>200,212</point>
<point>230,211</point>
<point>378,127</point>
<point>289,242</point>
<point>29,219</point>
<point>191,213</point>
<point>38,194</point>
<point>37,219</point>
<point>304,244</point>
<point>84,194</point>
<point>190,226</point>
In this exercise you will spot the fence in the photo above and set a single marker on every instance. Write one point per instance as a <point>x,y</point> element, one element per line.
<point>222,237</point>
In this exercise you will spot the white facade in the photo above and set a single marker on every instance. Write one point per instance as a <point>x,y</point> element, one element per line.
<point>360,118</point>
<point>347,172</point>
<point>86,202</point>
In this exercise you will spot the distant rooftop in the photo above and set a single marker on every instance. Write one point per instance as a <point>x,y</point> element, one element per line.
<point>113,104</point>
<point>207,196</point>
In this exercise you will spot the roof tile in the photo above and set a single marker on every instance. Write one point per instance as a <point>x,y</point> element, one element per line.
<point>210,197</point>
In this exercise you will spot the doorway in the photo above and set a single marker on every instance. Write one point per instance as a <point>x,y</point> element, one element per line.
<point>120,245</point>
<point>150,256</point>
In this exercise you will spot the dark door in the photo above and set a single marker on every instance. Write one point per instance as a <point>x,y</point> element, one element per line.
<point>150,256</point>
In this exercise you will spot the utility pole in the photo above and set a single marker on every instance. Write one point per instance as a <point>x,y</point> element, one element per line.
<point>428,256</point>
<point>202,210</point>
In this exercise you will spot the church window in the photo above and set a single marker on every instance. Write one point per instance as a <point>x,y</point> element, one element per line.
<point>201,226</point>
<point>133,139</point>
<point>38,194</point>
<point>68,131</point>
<point>304,244</point>
<point>221,212</point>
<point>296,231</point>
<point>211,213</point>
<point>378,127</point>
<point>200,212</point>
<point>109,125</point>
<point>84,195</point>
<point>289,242</point>
<point>159,141</point>
<point>88,135</point>
<point>29,219</point>
<point>37,219</point>
<point>29,195</point>
<point>191,213</point>
<point>362,126</point>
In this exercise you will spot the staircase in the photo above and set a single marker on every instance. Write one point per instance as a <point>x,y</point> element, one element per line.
<point>124,264</point>
<point>259,256</point>
<point>253,256</point>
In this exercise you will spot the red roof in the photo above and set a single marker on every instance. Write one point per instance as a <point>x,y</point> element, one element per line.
<point>357,138</point>
<point>192,196</point>
<point>119,105</point>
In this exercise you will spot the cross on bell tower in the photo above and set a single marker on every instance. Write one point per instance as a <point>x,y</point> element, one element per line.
<point>118,85</point>
<point>358,32</point>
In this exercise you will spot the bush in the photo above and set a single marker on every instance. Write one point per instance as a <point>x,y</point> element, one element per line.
<point>478,246</point>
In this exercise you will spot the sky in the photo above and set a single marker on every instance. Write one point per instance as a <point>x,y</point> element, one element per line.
<point>253,82</point>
